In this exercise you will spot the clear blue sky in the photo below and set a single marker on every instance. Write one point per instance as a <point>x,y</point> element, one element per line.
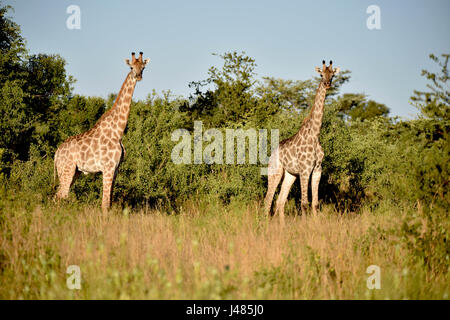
<point>287,39</point>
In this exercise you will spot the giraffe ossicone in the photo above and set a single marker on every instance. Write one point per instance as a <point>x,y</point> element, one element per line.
<point>100,149</point>
<point>301,155</point>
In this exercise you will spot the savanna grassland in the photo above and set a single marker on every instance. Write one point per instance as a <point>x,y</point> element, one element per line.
<point>197,231</point>
<point>208,252</point>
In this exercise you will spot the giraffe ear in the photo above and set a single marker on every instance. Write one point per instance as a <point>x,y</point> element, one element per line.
<point>318,70</point>
<point>127,61</point>
<point>146,61</point>
<point>336,70</point>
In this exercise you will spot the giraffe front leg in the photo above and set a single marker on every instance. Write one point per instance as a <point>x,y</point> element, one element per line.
<point>315,179</point>
<point>304,179</point>
<point>109,177</point>
<point>108,181</point>
<point>317,173</point>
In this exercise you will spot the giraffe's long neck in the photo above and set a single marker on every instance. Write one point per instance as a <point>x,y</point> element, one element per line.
<point>317,110</point>
<point>121,108</point>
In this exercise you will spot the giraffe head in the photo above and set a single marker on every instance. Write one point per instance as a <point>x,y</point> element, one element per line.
<point>137,66</point>
<point>327,73</point>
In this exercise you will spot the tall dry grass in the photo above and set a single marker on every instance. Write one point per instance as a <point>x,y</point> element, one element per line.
<point>205,252</point>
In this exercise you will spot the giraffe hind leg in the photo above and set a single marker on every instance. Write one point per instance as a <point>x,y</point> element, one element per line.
<point>288,180</point>
<point>273,181</point>
<point>304,180</point>
<point>66,175</point>
<point>275,173</point>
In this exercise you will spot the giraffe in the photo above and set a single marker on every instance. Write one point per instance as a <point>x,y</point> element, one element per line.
<point>99,149</point>
<point>301,154</point>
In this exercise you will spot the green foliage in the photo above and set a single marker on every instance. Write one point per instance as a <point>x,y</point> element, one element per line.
<point>351,173</point>
<point>12,47</point>
<point>30,104</point>
<point>435,104</point>
<point>289,94</point>
<point>34,176</point>
<point>154,178</point>
<point>426,149</point>
<point>231,102</point>
<point>297,95</point>
<point>357,107</point>
<point>15,124</point>
<point>33,90</point>
<point>426,234</point>
<point>78,115</point>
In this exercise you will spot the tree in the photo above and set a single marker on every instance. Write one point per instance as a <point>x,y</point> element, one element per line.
<point>291,94</point>
<point>13,111</point>
<point>435,104</point>
<point>30,104</point>
<point>48,89</point>
<point>12,47</point>
<point>231,100</point>
<point>298,95</point>
<point>357,107</point>
<point>33,89</point>
<point>79,115</point>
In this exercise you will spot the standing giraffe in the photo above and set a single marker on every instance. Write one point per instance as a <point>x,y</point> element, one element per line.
<point>100,148</point>
<point>301,154</point>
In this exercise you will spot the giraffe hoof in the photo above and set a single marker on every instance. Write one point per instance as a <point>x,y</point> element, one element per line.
<point>315,209</point>
<point>304,209</point>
